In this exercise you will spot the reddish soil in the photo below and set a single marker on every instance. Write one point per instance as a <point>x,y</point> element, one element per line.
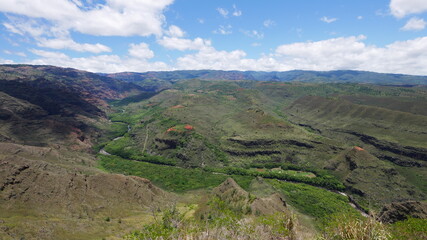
<point>177,106</point>
<point>171,130</point>
<point>189,127</point>
<point>359,148</point>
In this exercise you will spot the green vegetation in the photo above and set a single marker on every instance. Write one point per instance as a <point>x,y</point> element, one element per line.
<point>409,229</point>
<point>222,223</point>
<point>122,147</point>
<point>326,181</point>
<point>132,99</point>
<point>168,177</point>
<point>313,201</point>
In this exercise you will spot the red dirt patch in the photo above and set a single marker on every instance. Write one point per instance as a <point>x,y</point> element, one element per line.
<point>231,98</point>
<point>171,130</point>
<point>359,148</point>
<point>189,127</point>
<point>177,106</point>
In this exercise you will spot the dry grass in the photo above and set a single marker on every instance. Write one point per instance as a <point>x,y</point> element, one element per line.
<point>351,228</point>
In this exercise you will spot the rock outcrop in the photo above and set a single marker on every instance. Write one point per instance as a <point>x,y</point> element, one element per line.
<point>399,211</point>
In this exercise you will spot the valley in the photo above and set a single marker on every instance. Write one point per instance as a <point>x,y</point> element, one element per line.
<point>92,156</point>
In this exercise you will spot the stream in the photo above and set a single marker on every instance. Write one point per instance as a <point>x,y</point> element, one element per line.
<point>104,152</point>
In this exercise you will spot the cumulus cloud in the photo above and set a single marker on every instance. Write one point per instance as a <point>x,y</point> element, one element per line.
<point>175,31</point>
<point>6,61</point>
<point>210,58</point>
<point>51,36</point>
<point>414,24</point>
<point>183,44</point>
<point>141,51</point>
<point>401,8</point>
<point>99,63</point>
<point>114,18</point>
<point>68,43</point>
<point>328,20</point>
<point>409,57</point>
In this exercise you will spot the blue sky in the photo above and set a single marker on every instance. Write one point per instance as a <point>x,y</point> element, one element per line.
<point>280,35</point>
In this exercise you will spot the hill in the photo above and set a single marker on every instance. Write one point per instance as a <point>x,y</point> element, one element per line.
<point>156,80</point>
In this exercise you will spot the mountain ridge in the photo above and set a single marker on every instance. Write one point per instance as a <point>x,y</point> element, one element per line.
<point>280,76</point>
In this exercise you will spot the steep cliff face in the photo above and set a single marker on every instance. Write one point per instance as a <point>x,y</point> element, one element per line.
<point>46,105</point>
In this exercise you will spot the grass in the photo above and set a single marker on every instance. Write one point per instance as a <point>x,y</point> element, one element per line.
<point>167,177</point>
<point>316,202</point>
<point>346,227</point>
<point>410,229</point>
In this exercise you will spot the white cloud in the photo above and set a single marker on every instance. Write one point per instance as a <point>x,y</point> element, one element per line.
<point>24,27</point>
<point>210,58</point>
<point>223,12</point>
<point>201,20</point>
<point>51,36</point>
<point>414,24</point>
<point>141,51</point>
<point>114,18</point>
<point>359,17</point>
<point>224,30</point>
<point>401,8</point>
<point>236,12</point>
<point>68,43</point>
<point>49,54</point>
<point>268,23</point>
<point>100,63</point>
<point>253,34</point>
<point>408,57</point>
<point>175,31</point>
<point>183,44</point>
<point>328,20</point>
<point>21,54</point>
<point>6,61</point>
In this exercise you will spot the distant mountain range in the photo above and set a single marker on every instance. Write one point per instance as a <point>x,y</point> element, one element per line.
<point>165,78</point>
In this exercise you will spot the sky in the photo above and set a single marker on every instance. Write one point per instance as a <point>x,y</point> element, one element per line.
<point>388,36</point>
